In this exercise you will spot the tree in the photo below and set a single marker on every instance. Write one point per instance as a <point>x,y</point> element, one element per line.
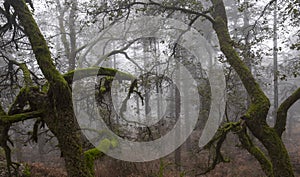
<point>52,102</point>
<point>276,162</point>
<point>255,117</point>
<point>70,47</point>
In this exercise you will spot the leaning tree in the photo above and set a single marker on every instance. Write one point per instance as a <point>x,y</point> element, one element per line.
<point>274,162</point>
<point>51,103</point>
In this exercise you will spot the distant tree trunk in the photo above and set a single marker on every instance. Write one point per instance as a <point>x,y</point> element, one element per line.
<point>69,44</point>
<point>177,104</point>
<point>41,146</point>
<point>18,144</point>
<point>247,50</point>
<point>275,65</point>
<point>72,24</point>
<point>62,30</point>
<point>186,113</point>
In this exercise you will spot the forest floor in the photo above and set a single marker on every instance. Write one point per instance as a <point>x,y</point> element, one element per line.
<point>192,163</point>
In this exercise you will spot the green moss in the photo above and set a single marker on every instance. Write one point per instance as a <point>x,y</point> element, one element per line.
<point>26,172</point>
<point>26,73</point>
<point>256,152</point>
<point>90,156</point>
<point>60,119</point>
<point>102,89</point>
<point>114,142</point>
<point>94,71</point>
<point>104,145</point>
<point>20,117</point>
<point>95,153</point>
<point>45,87</point>
<point>255,117</point>
<point>2,152</point>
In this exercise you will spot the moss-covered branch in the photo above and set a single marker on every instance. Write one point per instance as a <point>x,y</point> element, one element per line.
<point>239,129</point>
<point>19,102</point>
<point>282,111</point>
<point>37,41</point>
<point>93,154</point>
<point>27,96</point>
<point>26,72</point>
<point>90,157</point>
<point>216,143</point>
<point>255,151</point>
<point>20,117</point>
<point>96,71</point>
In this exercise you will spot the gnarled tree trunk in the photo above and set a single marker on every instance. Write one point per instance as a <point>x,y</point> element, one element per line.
<point>59,114</point>
<point>255,117</point>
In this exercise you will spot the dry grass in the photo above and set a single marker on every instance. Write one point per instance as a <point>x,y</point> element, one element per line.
<point>41,170</point>
<point>242,164</point>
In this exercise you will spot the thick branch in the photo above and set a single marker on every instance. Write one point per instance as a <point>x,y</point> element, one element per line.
<point>282,111</point>
<point>38,42</point>
<point>187,11</point>
<point>26,72</point>
<point>19,102</point>
<point>255,151</point>
<point>96,71</point>
<point>20,117</point>
<point>258,110</point>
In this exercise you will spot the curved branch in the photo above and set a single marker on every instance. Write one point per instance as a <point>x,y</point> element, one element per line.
<point>116,51</point>
<point>216,143</point>
<point>187,11</point>
<point>255,151</point>
<point>26,73</point>
<point>282,111</point>
<point>95,71</point>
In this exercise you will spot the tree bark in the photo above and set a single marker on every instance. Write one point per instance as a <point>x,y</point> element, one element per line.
<point>59,112</point>
<point>72,18</point>
<point>255,117</point>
